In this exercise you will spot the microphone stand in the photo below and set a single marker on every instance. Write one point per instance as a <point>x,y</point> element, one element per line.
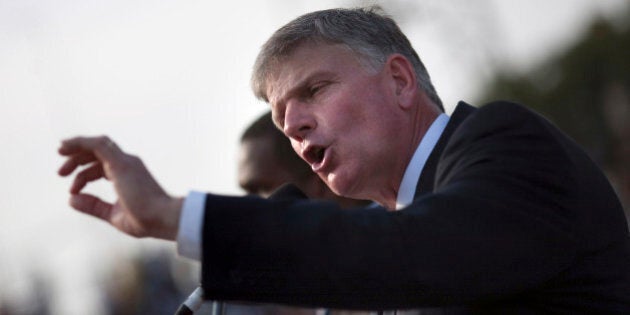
<point>217,308</point>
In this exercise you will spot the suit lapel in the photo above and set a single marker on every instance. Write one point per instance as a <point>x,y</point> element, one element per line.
<point>427,177</point>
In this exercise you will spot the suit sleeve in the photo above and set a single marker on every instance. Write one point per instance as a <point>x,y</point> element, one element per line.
<point>499,222</point>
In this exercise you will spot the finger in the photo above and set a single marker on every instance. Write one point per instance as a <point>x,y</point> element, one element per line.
<point>87,175</point>
<point>74,161</point>
<point>103,147</point>
<point>91,205</point>
<point>73,145</point>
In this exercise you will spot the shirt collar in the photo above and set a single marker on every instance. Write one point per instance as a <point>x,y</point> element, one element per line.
<point>414,169</point>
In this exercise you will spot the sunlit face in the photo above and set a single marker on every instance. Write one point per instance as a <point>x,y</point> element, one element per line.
<point>259,172</point>
<point>341,118</point>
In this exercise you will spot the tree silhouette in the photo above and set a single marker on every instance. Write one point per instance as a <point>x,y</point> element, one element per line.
<point>585,90</point>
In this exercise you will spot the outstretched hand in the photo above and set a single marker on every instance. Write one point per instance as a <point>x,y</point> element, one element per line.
<point>143,208</point>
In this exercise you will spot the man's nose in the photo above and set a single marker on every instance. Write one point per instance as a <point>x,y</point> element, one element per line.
<point>298,121</point>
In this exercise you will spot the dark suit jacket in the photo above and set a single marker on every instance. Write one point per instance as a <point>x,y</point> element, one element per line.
<point>510,216</point>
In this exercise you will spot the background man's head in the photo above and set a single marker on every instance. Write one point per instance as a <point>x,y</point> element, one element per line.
<point>266,159</point>
<point>370,34</point>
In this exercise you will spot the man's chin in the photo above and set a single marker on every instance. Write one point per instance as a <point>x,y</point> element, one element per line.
<point>341,186</point>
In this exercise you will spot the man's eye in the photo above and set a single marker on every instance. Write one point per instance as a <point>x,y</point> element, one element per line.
<point>316,88</point>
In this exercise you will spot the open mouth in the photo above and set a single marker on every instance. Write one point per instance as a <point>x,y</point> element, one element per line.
<point>319,155</point>
<point>315,155</point>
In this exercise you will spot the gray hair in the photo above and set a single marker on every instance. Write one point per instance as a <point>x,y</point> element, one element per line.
<point>370,34</point>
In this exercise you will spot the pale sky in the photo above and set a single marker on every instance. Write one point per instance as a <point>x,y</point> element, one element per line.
<point>169,81</point>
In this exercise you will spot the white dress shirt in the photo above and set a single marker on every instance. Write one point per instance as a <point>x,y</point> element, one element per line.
<point>191,221</point>
<point>407,188</point>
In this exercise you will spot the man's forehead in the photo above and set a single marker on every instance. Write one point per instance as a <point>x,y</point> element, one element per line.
<point>309,61</point>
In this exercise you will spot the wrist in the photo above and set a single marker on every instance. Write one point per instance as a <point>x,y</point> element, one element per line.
<point>169,216</point>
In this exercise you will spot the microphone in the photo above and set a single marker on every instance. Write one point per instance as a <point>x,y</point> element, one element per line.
<point>192,303</point>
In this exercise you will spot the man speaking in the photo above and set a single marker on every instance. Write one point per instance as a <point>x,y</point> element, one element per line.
<point>491,210</point>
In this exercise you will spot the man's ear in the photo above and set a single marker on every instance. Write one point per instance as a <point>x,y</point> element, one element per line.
<point>403,78</point>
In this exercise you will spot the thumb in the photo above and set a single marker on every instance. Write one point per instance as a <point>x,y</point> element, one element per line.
<point>91,205</point>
